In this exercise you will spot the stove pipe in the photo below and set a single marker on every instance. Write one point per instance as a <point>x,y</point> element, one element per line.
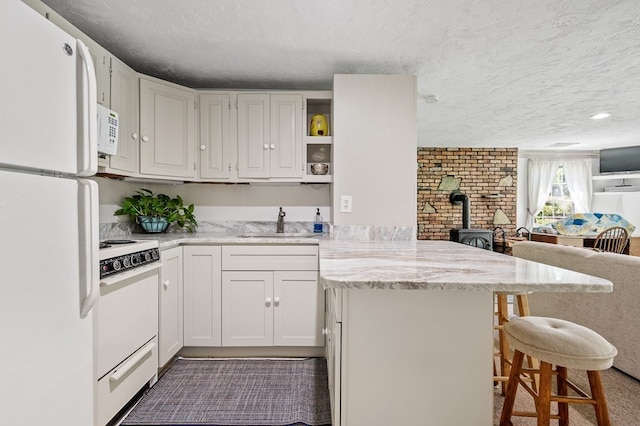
<point>458,198</point>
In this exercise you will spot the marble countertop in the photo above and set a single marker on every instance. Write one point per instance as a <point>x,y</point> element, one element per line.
<point>412,265</point>
<point>442,265</point>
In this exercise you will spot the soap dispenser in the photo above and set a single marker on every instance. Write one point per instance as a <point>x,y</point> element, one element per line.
<point>317,223</point>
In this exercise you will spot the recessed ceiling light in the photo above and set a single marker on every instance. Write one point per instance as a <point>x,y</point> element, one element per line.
<point>600,116</point>
<point>430,99</point>
<point>564,144</point>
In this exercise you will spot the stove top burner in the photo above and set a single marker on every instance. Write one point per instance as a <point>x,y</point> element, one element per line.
<point>108,243</point>
<point>118,241</point>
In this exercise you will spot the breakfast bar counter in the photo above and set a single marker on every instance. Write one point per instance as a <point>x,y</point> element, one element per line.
<point>410,327</point>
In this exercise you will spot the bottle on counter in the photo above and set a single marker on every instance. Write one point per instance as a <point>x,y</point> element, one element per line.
<point>317,223</point>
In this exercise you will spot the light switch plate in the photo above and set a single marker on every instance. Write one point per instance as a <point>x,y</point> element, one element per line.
<point>346,202</point>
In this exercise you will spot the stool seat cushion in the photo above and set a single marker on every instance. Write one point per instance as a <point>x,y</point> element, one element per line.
<point>560,342</point>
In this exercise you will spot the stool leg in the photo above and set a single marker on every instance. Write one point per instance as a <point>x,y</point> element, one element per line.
<point>512,388</point>
<point>543,401</point>
<point>523,311</point>
<point>597,393</point>
<point>563,389</point>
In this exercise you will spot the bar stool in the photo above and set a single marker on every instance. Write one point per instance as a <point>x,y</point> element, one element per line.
<point>562,344</point>
<point>501,311</point>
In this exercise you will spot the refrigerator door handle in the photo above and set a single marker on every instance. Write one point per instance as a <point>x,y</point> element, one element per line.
<point>88,135</point>
<point>88,242</point>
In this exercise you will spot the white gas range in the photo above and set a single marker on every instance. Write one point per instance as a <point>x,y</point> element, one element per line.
<point>118,256</point>
<point>127,323</point>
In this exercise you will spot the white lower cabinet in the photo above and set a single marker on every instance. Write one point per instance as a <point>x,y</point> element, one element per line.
<point>271,308</point>
<point>271,296</point>
<point>252,296</point>
<point>202,295</point>
<point>170,325</point>
<point>333,350</point>
<point>247,311</point>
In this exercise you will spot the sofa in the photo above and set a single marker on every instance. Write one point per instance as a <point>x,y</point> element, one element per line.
<point>616,315</point>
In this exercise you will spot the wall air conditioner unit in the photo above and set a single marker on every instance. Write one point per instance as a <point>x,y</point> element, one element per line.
<point>622,188</point>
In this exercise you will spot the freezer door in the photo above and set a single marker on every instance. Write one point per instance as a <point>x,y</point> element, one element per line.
<point>46,361</point>
<point>47,114</point>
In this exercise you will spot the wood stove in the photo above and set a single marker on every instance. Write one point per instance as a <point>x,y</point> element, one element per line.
<point>482,238</point>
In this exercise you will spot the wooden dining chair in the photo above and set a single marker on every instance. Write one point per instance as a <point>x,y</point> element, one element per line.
<point>612,240</point>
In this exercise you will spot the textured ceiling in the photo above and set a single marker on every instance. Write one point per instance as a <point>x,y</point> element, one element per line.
<point>517,73</point>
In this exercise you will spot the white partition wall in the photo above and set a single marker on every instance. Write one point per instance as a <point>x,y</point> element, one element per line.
<point>374,149</point>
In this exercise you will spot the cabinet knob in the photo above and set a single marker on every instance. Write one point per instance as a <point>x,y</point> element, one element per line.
<point>166,284</point>
<point>268,301</point>
<point>273,146</point>
<point>134,136</point>
<point>324,331</point>
<point>145,139</point>
<point>276,301</point>
<point>266,146</point>
<point>203,147</point>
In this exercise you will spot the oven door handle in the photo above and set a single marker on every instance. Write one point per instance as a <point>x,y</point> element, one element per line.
<point>131,363</point>
<point>106,281</point>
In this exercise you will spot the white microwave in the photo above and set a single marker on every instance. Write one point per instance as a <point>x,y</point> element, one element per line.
<point>107,131</point>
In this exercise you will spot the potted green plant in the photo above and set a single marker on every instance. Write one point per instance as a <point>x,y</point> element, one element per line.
<point>155,212</point>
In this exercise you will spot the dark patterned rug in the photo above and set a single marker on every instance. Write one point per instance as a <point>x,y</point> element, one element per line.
<point>237,392</point>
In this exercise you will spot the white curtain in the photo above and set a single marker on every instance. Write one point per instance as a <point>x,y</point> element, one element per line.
<point>540,174</point>
<point>577,172</point>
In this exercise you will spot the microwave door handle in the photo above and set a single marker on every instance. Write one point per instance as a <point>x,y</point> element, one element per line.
<point>88,137</point>
<point>88,241</point>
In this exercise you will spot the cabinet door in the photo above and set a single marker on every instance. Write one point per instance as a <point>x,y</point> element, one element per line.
<point>202,295</point>
<point>253,135</point>
<point>170,325</point>
<point>102,63</point>
<point>214,136</point>
<point>247,311</point>
<point>298,309</point>
<point>286,136</point>
<point>124,101</point>
<point>167,129</point>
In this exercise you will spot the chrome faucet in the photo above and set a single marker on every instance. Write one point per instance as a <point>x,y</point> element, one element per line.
<point>280,224</point>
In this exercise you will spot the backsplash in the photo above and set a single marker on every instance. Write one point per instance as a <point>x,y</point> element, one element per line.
<point>378,233</point>
<point>120,229</point>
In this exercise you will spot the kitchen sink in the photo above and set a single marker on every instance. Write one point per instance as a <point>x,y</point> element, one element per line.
<point>277,235</point>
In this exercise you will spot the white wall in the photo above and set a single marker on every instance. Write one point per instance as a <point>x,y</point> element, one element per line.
<point>226,202</point>
<point>374,149</point>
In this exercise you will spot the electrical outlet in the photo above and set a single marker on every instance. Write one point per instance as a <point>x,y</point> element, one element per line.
<point>346,203</point>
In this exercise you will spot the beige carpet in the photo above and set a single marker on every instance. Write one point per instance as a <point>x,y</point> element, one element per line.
<point>622,393</point>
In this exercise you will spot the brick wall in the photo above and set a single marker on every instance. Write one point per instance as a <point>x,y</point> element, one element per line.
<point>488,176</point>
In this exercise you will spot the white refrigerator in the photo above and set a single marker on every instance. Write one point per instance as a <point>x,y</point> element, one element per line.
<point>48,223</point>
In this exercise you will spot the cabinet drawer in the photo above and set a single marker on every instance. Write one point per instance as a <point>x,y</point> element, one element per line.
<point>270,258</point>
<point>122,383</point>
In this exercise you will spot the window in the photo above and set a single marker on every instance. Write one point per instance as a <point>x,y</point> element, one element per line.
<point>559,204</point>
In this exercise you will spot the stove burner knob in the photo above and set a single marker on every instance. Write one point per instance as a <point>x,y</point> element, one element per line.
<point>126,262</point>
<point>147,257</point>
<point>135,259</point>
<point>116,265</point>
<point>155,254</point>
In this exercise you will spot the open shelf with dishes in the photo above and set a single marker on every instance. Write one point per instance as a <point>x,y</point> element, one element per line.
<point>318,140</point>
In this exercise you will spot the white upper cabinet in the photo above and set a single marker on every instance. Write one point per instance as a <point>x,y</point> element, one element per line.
<point>215,136</point>
<point>285,149</point>
<point>124,101</point>
<point>167,130</point>
<point>253,135</point>
<point>269,135</point>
